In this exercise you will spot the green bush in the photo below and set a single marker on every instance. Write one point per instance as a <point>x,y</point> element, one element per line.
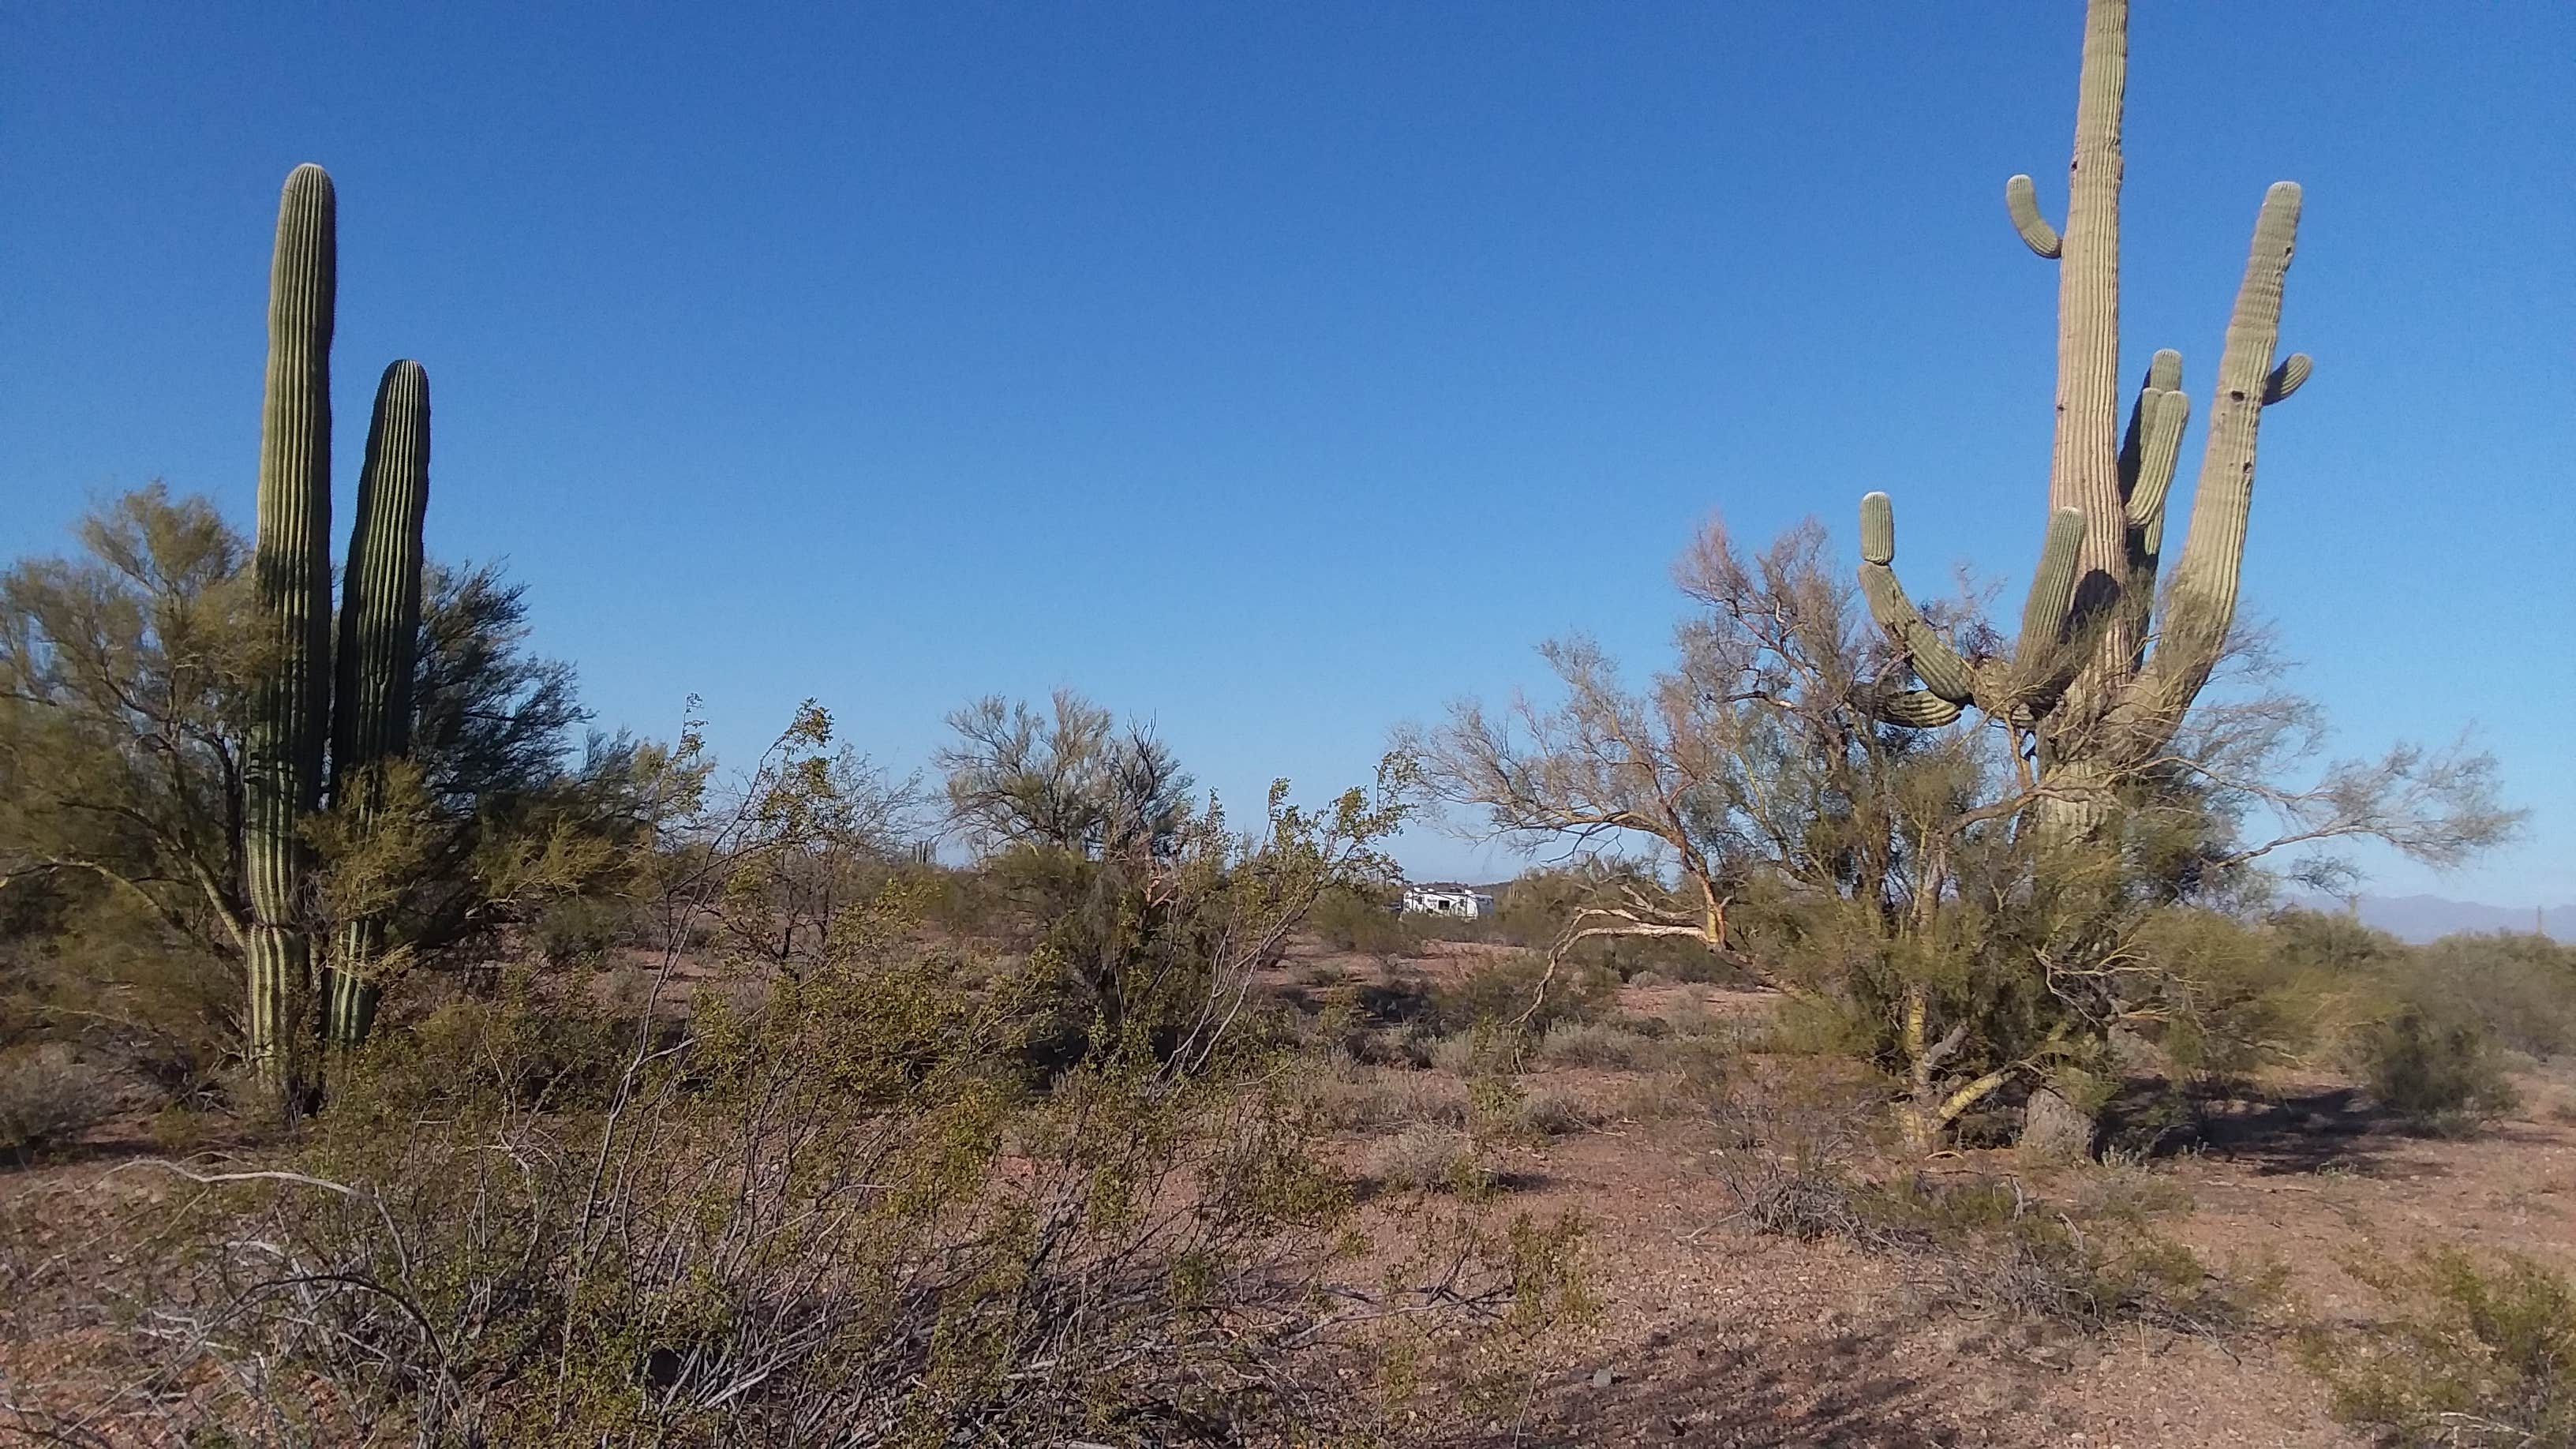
<point>2520,987</point>
<point>2443,1079</point>
<point>2478,1354</point>
<point>578,930</point>
<point>1519,990</point>
<point>1349,919</point>
<point>1606,1044</point>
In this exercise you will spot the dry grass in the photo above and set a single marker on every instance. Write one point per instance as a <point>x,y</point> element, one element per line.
<point>1429,1158</point>
<point>47,1095</point>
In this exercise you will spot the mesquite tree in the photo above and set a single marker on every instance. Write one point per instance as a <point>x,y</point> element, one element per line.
<point>2081,686</point>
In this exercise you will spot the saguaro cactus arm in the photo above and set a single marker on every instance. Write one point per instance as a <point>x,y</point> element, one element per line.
<point>2285,379</point>
<point>2021,202</point>
<point>2163,416</point>
<point>380,604</point>
<point>2046,612</point>
<point>2213,554</point>
<point>1938,665</point>
<point>1915,709</point>
<point>379,629</point>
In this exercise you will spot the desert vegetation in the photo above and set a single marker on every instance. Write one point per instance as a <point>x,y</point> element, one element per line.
<point>1902,1031</point>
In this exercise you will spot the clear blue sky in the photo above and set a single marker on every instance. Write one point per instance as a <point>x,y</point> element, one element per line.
<point>1279,372</point>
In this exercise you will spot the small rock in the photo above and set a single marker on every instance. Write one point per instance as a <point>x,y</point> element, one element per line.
<point>1602,1378</point>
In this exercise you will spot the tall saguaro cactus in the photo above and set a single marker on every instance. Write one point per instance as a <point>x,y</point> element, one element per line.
<point>292,563</point>
<point>2081,681</point>
<point>306,714</point>
<point>379,634</point>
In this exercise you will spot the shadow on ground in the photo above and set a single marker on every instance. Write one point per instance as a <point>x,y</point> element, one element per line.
<point>1736,1390</point>
<point>2337,1128</point>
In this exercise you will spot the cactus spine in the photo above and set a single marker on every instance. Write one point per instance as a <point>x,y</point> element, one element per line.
<point>379,633</point>
<point>295,728</point>
<point>292,565</point>
<point>2082,682</point>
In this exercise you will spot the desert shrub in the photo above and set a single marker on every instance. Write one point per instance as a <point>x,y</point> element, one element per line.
<point>102,975</point>
<point>2521,988</point>
<point>1685,1076</point>
<point>1428,1157</point>
<point>1520,991</point>
<point>2441,1079</point>
<point>2095,1277</point>
<point>1479,1051</point>
<point>2153,1116</point>
<point>1352,1102</point>
<point>1594,1044</point>
<point>1788,1158</point>
<point>1816,1026</point>
<point>1989,1247</point>
<point>1351,919</point>
<point>2086,1266</point>
<point>2129,1190</point>
<point>825,1205</point>
<point>1355,1097</point>
<point>830,1204</point>
<point>2234,997</point>
<point>1550,1113</point>
<point>537,1046</point>
<point>2477,1354</point>
<point>47,1095</point>
<point>1794,1167</point>
<point>578,929</point>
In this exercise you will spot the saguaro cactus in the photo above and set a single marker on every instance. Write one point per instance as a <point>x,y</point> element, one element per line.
<point>2081,682</point>
<point>379,633</point>
<point>295,728</point>
<point>292,563</point>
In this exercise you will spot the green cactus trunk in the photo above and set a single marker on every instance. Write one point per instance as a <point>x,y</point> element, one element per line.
<point>283,769</point>
<point>2084,469</point>
<point>379,632</point>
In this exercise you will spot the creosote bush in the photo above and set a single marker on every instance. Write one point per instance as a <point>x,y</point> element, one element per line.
<point>1518,992</point>
<point>2477,1352</point>
<point>1981,1243</point>
<point>818,1198</point>
<point>2443,1080</point>
<point>827,1216</point>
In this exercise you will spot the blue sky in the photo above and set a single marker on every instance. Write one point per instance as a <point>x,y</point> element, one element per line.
<point>1281,372</point>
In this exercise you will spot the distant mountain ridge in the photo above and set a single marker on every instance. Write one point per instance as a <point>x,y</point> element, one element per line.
<point>2429,918</point>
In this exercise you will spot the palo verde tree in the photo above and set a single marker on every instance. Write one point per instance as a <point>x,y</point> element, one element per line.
<point>2089,703</point>
<point>1886,873</point>
<point>1069,779</point>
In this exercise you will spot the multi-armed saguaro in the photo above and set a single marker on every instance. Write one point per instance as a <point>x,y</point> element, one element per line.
<point>294,730</point>
<point>2081,682</point>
